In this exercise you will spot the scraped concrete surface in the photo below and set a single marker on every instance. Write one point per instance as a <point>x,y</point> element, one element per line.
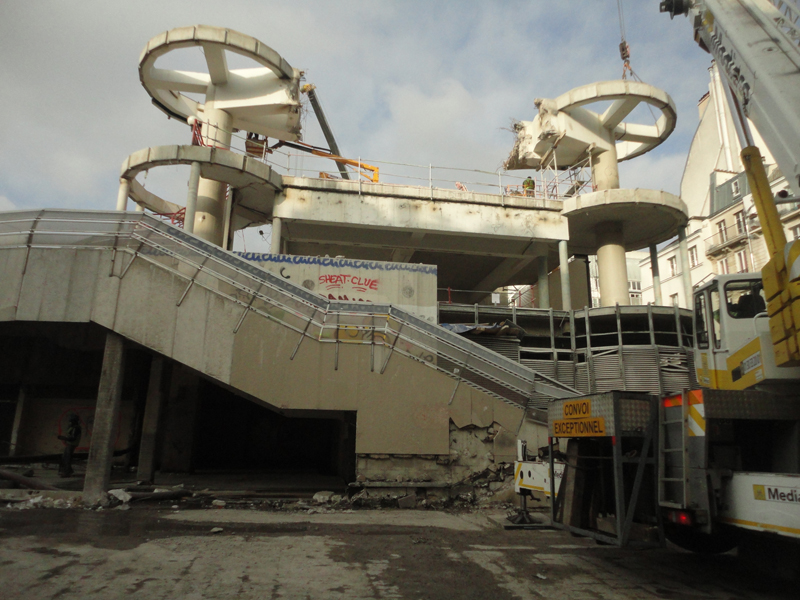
<point>138,553</point>
<point>385,518</point>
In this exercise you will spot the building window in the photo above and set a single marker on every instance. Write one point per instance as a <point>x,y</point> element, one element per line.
<point>741,261</point>
<point>635,286</point>
<point>693,261</point>
<point>674,299</point>
<point>673,266</point>
<point>740,227</point>
<point>722,267</point>
<point>796,232</point>
<point>636,299</point>
<point>722,233</point>
<point>736,188</point>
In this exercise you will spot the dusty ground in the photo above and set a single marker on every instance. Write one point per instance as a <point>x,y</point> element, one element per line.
<point>161,553</point>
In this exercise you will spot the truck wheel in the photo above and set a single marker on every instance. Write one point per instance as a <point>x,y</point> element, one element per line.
<point>692,540</point>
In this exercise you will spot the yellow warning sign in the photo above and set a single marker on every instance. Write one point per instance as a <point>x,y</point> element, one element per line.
<point>591,427</point>
<point>577,409</point>
<point>759,493</point>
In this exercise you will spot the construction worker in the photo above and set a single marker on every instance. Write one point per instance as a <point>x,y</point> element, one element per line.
<point>529,185</point>
<point>71,441</point>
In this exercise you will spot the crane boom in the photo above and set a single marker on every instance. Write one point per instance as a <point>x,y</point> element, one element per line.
<point>756,48</point>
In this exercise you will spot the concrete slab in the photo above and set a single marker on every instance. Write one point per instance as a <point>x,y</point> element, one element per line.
<point>256,182</point>
<point>648,217</point>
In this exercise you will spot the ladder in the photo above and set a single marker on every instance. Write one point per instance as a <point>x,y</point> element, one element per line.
<point>673,481</point>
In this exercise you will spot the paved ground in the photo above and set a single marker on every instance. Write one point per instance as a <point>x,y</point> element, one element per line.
<point>155,553</point>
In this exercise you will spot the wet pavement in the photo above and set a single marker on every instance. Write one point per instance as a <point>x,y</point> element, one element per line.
<point>152,552</point>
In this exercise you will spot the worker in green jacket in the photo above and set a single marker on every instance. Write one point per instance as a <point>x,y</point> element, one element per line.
<point>529,186</point>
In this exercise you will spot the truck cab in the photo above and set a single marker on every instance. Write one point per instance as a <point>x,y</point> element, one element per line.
<point>732,340</point>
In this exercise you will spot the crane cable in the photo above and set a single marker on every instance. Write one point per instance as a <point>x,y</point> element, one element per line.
<point>625,55</point>
<point>624,49</point>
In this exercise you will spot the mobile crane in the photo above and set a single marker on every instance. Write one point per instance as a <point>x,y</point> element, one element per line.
<point>736,440</point>
<point>723,459</point>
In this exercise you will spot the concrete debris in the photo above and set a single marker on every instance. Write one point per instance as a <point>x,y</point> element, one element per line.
<point>218,503</point>
<point>44,502</point>
<point>322,497</point>
<point>409,501</point>
<point>120,495</point>
<point>216,530</point>
<point>124,506</point>
<point>540,576</point>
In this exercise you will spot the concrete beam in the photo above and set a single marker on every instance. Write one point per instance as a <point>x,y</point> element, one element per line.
<point>318,233</point>
<point>404,254</point>
<point>109,393</point>
<point>504,271</point>
<point>383,207</point>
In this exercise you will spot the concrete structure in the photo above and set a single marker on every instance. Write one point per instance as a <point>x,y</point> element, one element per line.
<point>723,234</point>
<point>262,99</point>
<point>359,383</point>
<point>260,337</point>
<point>609,221</point>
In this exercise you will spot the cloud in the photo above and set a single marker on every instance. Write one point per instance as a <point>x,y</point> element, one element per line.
<point>411,81</point>
<point>653,171</point>
<point>6,204</point>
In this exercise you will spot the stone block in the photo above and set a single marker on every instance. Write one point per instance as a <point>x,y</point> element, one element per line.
<point>409,501</point>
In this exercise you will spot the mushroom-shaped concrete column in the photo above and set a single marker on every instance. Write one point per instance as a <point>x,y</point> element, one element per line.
<point>262,99</point>
<point>565,134</point>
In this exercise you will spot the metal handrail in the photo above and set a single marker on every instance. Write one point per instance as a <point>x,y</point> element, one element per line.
<point>144,237</point>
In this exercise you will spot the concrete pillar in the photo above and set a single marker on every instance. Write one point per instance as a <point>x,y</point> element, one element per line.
<point>122,195</point>
<point>543,284</point>
<point>656,275</point>
<point>109,393</point>
<point>605,170</point>
<point>612,268</point>
<point>152,416</point>
<point>686,275</point>
<point>563,267</point>
<point>209,222</point>
<point>179,420</point>
<point>12,448</point>
<point>275,242</point>
<point>191,198</point>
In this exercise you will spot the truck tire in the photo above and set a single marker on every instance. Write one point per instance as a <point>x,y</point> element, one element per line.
<point>692,540</point>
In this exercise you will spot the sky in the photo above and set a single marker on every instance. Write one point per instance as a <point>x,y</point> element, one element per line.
<point>416,82</point>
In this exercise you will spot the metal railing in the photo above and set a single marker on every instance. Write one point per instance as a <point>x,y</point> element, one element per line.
<point>140,237</point>
<point>551,184</point>
<point>727,236</point>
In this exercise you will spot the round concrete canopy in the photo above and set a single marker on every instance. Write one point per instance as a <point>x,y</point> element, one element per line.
<point>569,131</point>
<point>255,182</point>
<point>633,139</point>
<point>647,217</point>
<point>262,100</point>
